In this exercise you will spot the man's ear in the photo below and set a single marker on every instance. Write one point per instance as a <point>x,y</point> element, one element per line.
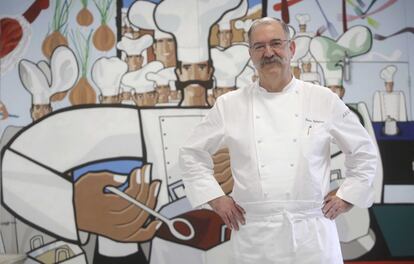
<point>292,47</point>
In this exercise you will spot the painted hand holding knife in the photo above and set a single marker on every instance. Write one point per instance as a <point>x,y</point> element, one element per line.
<point>174,225</point>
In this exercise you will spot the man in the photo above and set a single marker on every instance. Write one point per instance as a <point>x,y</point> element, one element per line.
<point>278,131</point>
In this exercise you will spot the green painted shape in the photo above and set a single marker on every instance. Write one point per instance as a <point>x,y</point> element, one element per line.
<point>397,225</point>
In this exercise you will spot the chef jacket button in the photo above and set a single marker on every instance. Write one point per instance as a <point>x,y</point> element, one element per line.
<point>259,141</point>
<point>257,117</point>
<point>291,164</point>
<point>296,115</point>
<point>294,140</point>
<point>265,194</point>
<point>262,165</point>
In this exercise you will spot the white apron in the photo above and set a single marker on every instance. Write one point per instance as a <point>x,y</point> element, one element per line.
<point>309,237</point>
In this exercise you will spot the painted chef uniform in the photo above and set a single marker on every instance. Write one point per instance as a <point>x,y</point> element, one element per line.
<point>228,64</point>
<point>279,147</point>
<point>389,104</point>
<point>133,49</point>
<point>192,31</point>
<point>43,80</point>
<point>81,144</point>
<point>162,79</point>
<point>225,34</point>
<point>141,14</point>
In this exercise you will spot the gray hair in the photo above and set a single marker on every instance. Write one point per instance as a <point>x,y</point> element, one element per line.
<point>266,21</point>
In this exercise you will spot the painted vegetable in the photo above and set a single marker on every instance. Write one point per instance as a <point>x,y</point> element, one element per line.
<point>59,26</point>
<point>104,37</point>
<point>82,92</point>
<point>84,17</point>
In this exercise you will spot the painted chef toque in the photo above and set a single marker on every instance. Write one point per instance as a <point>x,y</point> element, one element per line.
<point>229,63</point>
<point>387,73</point>
<point>134,46</point>
<point>141,14</point>
<point>137,79</point>
<point>107,74</point>
<point>191,29</point>
<point>302,19</point>
<point>331,54</point>
<point>162,77</point>
<point>44,80</point>
<point>238,12</point>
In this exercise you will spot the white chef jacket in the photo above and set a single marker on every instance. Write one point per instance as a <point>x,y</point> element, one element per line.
<point>279,146</point>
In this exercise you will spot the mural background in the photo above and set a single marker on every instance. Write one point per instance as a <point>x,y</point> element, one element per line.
<point>126,127</point>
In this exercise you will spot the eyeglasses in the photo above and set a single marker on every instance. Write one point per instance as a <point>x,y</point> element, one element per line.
<point>275,44</point>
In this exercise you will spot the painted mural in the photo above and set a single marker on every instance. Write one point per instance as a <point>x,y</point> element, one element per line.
<point>96,97</point>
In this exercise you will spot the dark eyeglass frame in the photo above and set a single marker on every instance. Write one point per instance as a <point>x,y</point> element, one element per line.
<point>274,44</point>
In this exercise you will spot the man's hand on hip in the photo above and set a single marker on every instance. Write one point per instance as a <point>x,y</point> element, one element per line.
<point>231,213</point>
<point>334,206</point>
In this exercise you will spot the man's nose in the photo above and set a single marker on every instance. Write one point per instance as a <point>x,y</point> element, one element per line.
<point>268,52</point>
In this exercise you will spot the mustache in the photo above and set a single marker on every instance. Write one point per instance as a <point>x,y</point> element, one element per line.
<point>270,60</point>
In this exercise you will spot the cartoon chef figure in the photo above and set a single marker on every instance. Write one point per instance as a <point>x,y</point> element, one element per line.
<point>191,30</point>
<point>107,74</point>
<point>141,14</point>
<point>353,227</point>
<point>389,104</point>
<point>162,79</point>
<point>244,25</point>
<point>45,79</point>
<point>225,34</point>
<point>228,64</point>
<point>133,49</point>
<point>145,94</point>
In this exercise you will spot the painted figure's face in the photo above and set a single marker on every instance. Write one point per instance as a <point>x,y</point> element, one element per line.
<point>134,62</point>
<point>164,50</point>
<point>225,37</point>
<point>146,99</point>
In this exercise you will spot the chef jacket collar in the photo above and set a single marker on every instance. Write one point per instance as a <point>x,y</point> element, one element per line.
<point>290,87</point>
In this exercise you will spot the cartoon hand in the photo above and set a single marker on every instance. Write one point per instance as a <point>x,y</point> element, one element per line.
<point>107,214</point>
<point>222,170</point>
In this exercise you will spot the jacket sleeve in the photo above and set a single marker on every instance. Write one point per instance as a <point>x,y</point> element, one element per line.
<point>360,155</point>
<point>195,158</point>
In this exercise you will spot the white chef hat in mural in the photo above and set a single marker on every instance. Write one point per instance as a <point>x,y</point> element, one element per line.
<point>387,73</point>
<point>135,46</point>
<point>190,22</point>
<point>141,14</point>
<point>302,19</point>
<point>162,77</point>
<point>107,74</point>
<point>238,12</point>
<point>43,80</point>
<point>138,80</point>
<point>302,48</point>
<point>229,63</point>
<point>331,54</point>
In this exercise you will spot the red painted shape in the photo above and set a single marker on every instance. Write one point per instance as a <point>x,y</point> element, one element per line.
<point>278,7</point>
<point>11,34</point>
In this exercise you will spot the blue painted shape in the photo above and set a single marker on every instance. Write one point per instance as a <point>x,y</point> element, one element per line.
<point>406,131</point>
<point>397,226</point>
<point>123,167</point>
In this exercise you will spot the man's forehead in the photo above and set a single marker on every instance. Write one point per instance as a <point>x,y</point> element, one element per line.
<point>272,29</point>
